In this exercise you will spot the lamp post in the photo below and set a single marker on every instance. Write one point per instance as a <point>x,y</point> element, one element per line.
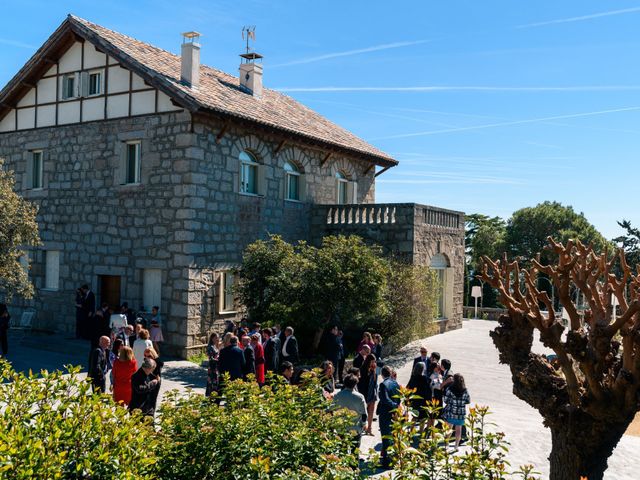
<point>476,292</point>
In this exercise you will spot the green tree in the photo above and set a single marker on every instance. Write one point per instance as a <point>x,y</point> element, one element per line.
<point>529,228</point>
<point>18,229</point>
<point>484,235</point>
<point>630,243</point>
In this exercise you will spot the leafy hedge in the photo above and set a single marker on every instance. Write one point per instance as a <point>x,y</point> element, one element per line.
<point>52,426</point>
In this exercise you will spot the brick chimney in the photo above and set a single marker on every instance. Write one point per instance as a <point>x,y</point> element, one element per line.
<point>190,59</point>
<point>251,74</point>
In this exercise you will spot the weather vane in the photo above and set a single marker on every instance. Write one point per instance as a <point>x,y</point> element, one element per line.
<point>249,33</point>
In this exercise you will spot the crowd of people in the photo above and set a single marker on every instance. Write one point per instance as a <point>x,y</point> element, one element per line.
<point>368,387</point>
<point>125,348</point>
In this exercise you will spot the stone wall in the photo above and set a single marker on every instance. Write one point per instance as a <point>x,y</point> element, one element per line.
<point>407,231</point>
<point>185,216</point>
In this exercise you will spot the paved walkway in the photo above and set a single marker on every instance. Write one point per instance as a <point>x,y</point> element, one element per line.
<point>470,350</point>
<point>473,354</point>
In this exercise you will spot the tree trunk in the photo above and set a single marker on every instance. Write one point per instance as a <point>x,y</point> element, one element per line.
<point>581,447</point>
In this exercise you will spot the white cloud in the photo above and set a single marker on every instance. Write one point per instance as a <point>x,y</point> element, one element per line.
<point>581,18</point>
<point>570,88</point>
<point>349,53</point>
<point>507,124</point>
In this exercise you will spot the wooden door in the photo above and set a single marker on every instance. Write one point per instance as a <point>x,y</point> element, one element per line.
<point>110,291</point>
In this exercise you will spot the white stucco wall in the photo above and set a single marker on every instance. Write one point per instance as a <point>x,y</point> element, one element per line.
<point>118,82</point>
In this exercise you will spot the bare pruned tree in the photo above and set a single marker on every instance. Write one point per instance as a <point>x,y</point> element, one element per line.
<point>590,395</point>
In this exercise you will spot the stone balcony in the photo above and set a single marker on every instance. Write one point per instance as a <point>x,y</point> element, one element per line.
<point>406,229</point>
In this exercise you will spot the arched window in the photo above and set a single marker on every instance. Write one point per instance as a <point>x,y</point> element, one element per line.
<point>248,173</point>
<point>440,264</point>
<point>292,181</point>
<point>342,188</point>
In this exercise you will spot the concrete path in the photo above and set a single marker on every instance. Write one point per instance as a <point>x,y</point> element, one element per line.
<point>473,354</point>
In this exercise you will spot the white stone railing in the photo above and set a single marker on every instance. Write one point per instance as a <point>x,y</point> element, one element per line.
<point>441,218</point>
<point>371,214</point>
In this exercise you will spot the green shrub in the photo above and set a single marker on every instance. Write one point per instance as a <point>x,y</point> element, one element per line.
<point>420,449</point>
<point>278,431</point>
<point>52,426</point>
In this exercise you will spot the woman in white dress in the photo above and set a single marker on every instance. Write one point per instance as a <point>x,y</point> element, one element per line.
<point>141,344</point>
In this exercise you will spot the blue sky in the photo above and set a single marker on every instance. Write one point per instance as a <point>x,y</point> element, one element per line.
<point>533,101</point>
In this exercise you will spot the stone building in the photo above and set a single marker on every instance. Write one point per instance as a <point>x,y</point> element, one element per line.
<point>153,172</point>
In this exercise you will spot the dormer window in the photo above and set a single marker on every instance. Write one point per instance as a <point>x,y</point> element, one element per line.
<point>69,86</point>
<point>95,83</point>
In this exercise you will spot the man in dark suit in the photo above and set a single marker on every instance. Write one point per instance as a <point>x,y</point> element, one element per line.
<point>87,309</point>
<point>387,404</point>
<point>334,350</point>
<point>434,359</point>
<point>231,360</point>
<point>271,346</point>
<point>358,361</point>
<point>289,351</point>
<point>423,358</point>
<point>144,388</point>
<point>98,365</point>
<point>125,336</point>
<point>249,357</point>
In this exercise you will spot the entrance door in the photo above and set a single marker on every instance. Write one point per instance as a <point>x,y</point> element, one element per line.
<point>110,291</point>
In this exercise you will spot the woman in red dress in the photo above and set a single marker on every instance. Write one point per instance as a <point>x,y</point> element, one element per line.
<point>258,352</point>
<point>123,368</point>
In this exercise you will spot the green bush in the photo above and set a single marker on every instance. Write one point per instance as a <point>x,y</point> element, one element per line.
<point>278,431</point>
<point>420,450</point>
<point>52,426</point>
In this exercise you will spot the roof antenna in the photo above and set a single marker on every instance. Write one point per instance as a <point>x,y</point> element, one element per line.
<point>249,33</point>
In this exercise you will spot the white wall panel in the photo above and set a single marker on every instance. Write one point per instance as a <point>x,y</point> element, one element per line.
<point>47,90</point>
<point>138,83</point>
<point>143,102</point>
<point>72,59</point>
<point>68,112</point>
<point>8,122</point>
<point>93,109</point>
<point>29,99</point>
<point>92,57</point>
<point>46,116</point>
<point>118,106</point>
<point>164,103</point>
<point>118,79</point>
<point>52,71</point>
<point>26,118</point>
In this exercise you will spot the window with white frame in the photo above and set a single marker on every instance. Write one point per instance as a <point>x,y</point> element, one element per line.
<point>292,180</point>
<point>248,173</point>
<point>342,189</point>
<point>440,264</point>
<point>35,170</point>
<point>69,86</point>
<point>132,162</point>
<point>227,282</point>
<point>52,270</point>
<point>95,83</point>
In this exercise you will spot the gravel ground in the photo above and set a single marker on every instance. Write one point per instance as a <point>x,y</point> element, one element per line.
<point>473,354</point>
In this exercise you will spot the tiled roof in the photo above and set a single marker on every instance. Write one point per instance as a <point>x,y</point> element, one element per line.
<point>220,92</point>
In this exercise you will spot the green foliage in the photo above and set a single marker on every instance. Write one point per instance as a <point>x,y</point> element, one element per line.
<point>18,228</point>
<point>420,449</point>
<point>484,236</point>
<point>630,243</point>
<point>305,286</point>
<point>528,229</point>
<point>52,426</point>
<point>278,431</point>
<point>411,298</point>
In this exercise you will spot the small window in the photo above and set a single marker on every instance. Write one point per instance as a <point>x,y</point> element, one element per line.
<point>69,86</point>
<point>95,80</point>
<point>132,163</point>
<point>52,270</point>
<point>292,181</point>
<point>248,174</point>
<point>342,188</point>
<point>36,169</point>
<point>227,301</point>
